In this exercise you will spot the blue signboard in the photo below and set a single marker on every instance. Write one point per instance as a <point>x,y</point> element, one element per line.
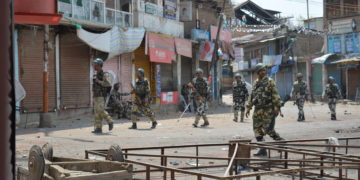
<point>352,43</point>
<point>198,34</point>
<point>334,44</point>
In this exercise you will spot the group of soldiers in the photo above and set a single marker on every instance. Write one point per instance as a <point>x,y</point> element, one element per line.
<point>264,97</point>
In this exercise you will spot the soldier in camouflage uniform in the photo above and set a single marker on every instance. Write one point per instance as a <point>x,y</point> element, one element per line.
<point>240,95</point>
<point>332,91</point>
<point>300,94</point>
<point>142,98</point>
<point>201,95</point>
<point>265,98</point>
<point>101,86</point>
<point>115,102</point>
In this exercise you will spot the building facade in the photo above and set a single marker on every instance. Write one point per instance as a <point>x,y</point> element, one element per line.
<point>341,19</point>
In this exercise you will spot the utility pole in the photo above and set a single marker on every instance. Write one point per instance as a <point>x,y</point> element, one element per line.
<point>45,119</point>
<point>214,58</point>
<point>308,52</point>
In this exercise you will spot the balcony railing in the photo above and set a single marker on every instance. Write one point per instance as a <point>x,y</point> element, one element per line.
<point>94,11</point>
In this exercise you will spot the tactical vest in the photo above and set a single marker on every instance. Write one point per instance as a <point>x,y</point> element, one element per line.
<point>98,89</point>
<point>239,89</point>
<point>300,88</point>
<point>201,86</point>
<point>332,91</point>
<point>141,87</point>
<point>262,95</point>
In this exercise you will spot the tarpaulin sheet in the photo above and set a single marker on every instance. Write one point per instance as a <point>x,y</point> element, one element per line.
<point>183,47</point>
<point>161,48</point>
<point>96,41</point>
<point>125,40</point>
<point>115,41</point>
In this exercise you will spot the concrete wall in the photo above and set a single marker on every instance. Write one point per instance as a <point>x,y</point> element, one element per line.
<point>156,22</point>
<point>207,18</point>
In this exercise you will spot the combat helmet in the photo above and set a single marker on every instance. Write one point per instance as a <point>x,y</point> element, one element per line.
<point>199,70</point>
<point>299,75</point>
<point>141,70</point>
<point>259,66</point>
<point>98,61</point>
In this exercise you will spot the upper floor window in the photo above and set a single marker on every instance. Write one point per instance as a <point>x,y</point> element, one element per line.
<point>118,12</point>
<point>350,7</point>
<point>333,8</point>
<point>151,1</point>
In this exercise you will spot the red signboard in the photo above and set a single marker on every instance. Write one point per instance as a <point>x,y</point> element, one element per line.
<point>169,98</point>
<point>224,34</point>
<point>183,47</point>
<point>161,48</point>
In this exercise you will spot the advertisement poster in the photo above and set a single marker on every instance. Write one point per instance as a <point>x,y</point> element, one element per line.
<point>161,48</point>
<point>185,11</point>
<point>158,81</point>
<point>170,9</point>
<point>169,98</point>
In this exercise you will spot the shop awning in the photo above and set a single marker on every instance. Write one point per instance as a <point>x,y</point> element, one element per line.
<point>183,47</point>
<point>326,59</point>
<point>161,48</point>
<point>354,60</point>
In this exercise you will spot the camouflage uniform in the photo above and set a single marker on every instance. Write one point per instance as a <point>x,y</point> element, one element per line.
<point>299,93</point>
<point>100,93</point>
<point>118,107</point>
<point>201,96</point>
<point>266,100</point>
<point>333,93</point>
<point>240,95</point>
<point>142,92</point>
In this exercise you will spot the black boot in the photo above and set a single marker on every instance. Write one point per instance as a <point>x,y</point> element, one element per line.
<point>111,126</point>
<point>205,124</point>
<point>303,117</point>
<point>333,117</point>
<point>300,118</point>
<point>154,124</point>
<point>261,152</point>
<point>133,126</point>
<point>97,131</point>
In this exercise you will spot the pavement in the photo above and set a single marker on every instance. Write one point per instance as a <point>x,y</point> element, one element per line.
<point>70,138</point>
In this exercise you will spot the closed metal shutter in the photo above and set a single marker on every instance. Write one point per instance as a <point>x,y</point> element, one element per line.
<point>112,66</point>
<point>186,70</point>
<point>353,82</point>
<point>121,67</point>
<point>31,56</point>
<point>125,72</point>
<point>75,72</point>
<point>167,80</point>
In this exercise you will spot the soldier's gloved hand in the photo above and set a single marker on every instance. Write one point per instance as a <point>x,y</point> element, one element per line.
<point>276,112</point>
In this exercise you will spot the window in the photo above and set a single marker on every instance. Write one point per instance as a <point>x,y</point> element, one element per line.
<point>118,12</point>
<point>333,8</point>
<point>350,7</point>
